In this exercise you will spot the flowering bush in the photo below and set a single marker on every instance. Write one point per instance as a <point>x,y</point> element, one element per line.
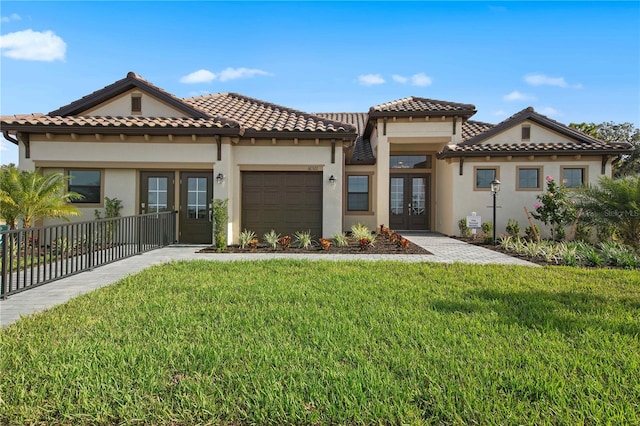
<point>555,208</point>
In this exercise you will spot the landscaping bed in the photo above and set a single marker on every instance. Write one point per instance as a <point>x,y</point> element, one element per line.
<point>380,246</point>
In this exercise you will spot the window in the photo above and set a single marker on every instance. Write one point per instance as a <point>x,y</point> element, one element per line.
<point>410,162</point>
<point>136,104</point>
<point>86,183</point>
<point>526,133</point>
<point>358,193</point>
<point>529,178</point>
<point>484,176</point>
<point>573,177</point>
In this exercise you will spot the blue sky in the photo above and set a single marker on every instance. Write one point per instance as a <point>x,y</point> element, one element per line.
<point>572,61</point>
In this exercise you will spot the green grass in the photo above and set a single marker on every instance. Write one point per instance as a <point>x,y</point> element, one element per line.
<point>294,342</point>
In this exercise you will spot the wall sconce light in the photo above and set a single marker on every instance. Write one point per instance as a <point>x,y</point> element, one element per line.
<point>219,178</point>
<point>332,180</point>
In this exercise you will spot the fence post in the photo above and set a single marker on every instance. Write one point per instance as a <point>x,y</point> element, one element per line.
<point>4,266</point>
<point>139,223</point>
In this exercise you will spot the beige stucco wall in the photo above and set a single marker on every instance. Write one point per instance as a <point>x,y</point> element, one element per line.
<point>539,134</point>
<point>509,200</point>
<point>443,196</point>
<point>366,218</point>
<point>121,106</point>
<point>306,156</point>
<point>158,149</point>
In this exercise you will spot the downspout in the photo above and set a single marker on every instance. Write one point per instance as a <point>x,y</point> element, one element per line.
<point>10,138</point>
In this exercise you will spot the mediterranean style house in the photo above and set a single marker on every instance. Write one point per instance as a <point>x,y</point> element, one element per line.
<point>410,164</point>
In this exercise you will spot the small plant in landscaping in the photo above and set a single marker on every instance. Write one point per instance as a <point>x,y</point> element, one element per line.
<point>404,243</point>
<point>220,221</point>
<point>271,238</point>
<point>462,226</point>
<point>112,208</point>
<point>513,227</point>
<point>303,239</point>
<point>359,231</point>
<point>285,242</point>
<point>487,230</point>
<point>365,243</point>
<point>325,244</point>
<point>341,240</point>
<point>384,231</point>
<point>532,233</point>
<point>246,237</point>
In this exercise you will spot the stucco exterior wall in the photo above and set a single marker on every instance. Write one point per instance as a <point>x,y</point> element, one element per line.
<point>267,157</point>
<point>539,134</point>
<point>121,107</point>
<point>156,150</point>
<point>366,218</point>
<point>443,196</point>
<point>510,201</point>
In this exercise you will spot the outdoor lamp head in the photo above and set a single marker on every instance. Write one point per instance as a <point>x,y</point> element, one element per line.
<point>495,186</point>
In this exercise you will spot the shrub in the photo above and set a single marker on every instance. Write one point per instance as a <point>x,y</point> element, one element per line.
<point>246,238</point>
<point>487,231</point>
<point>112,208</point>
<point>589,254</point>
<point>532,233</point>
<point>462,226</point>
<point>271,238</point>
<point>303,239</point>
<point>513,227</point>
<point>220,221</point>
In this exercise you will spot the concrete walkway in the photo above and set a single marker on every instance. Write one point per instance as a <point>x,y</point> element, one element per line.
<point>444,249</point>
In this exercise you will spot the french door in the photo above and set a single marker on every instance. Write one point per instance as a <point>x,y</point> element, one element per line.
<point>409,201</point>
<point>196,194</point>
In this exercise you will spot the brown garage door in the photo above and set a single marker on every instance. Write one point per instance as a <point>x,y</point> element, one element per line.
<point>283,201</point>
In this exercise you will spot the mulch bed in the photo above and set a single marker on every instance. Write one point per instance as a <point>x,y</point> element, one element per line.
<point>380,246</point>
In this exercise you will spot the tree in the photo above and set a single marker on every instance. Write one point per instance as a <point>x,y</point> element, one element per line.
<point>614,203</point>
<point>625,165</point>
<point>29,196</point>
<point>555,208</point>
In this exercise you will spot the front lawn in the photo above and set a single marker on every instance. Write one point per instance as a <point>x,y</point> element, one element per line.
<point>301,342</point>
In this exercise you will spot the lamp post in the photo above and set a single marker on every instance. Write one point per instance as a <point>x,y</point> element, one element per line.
<point>495,188</point>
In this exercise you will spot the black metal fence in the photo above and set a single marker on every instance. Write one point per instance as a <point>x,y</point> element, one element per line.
<point>34,256</point>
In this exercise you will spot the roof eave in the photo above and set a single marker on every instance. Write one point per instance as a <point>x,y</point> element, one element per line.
<point>459,113</point>
<point>81,130</point>
<point>249,133</point>
<point>523,153</point>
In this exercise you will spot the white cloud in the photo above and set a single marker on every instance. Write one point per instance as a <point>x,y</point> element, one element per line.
<point>236,73</point>
<point>518,96</point>
<point>549,111</point>
<point>33,46</point>
<point>421,79</point>
<point>544,80</point>
<point>206,76</point>
<point>399,79</point>
<point>200,76</point>
<point>370,79</point>
<point>12,17</point>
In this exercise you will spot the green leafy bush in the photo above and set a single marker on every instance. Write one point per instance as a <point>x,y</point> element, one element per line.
<point>271,238</point>
<point>462,226</point>
<point>341,240</point>
<point>303,239</point>
<point>220,222</point>
<point>246,237</point>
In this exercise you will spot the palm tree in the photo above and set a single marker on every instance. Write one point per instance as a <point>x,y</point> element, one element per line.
<point>29,196</point>
<point>614,203</point>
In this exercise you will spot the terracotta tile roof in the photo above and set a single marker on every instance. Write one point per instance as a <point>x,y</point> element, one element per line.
<point>259,116</point>
<point>132,80</point>
<point>356,119</point>
<point>101,122</point>
<point>475,133</point>
<point>423,105</point>
<point>472,128</point>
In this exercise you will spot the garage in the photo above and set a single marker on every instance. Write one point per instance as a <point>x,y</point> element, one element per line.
<point>286,202</point>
